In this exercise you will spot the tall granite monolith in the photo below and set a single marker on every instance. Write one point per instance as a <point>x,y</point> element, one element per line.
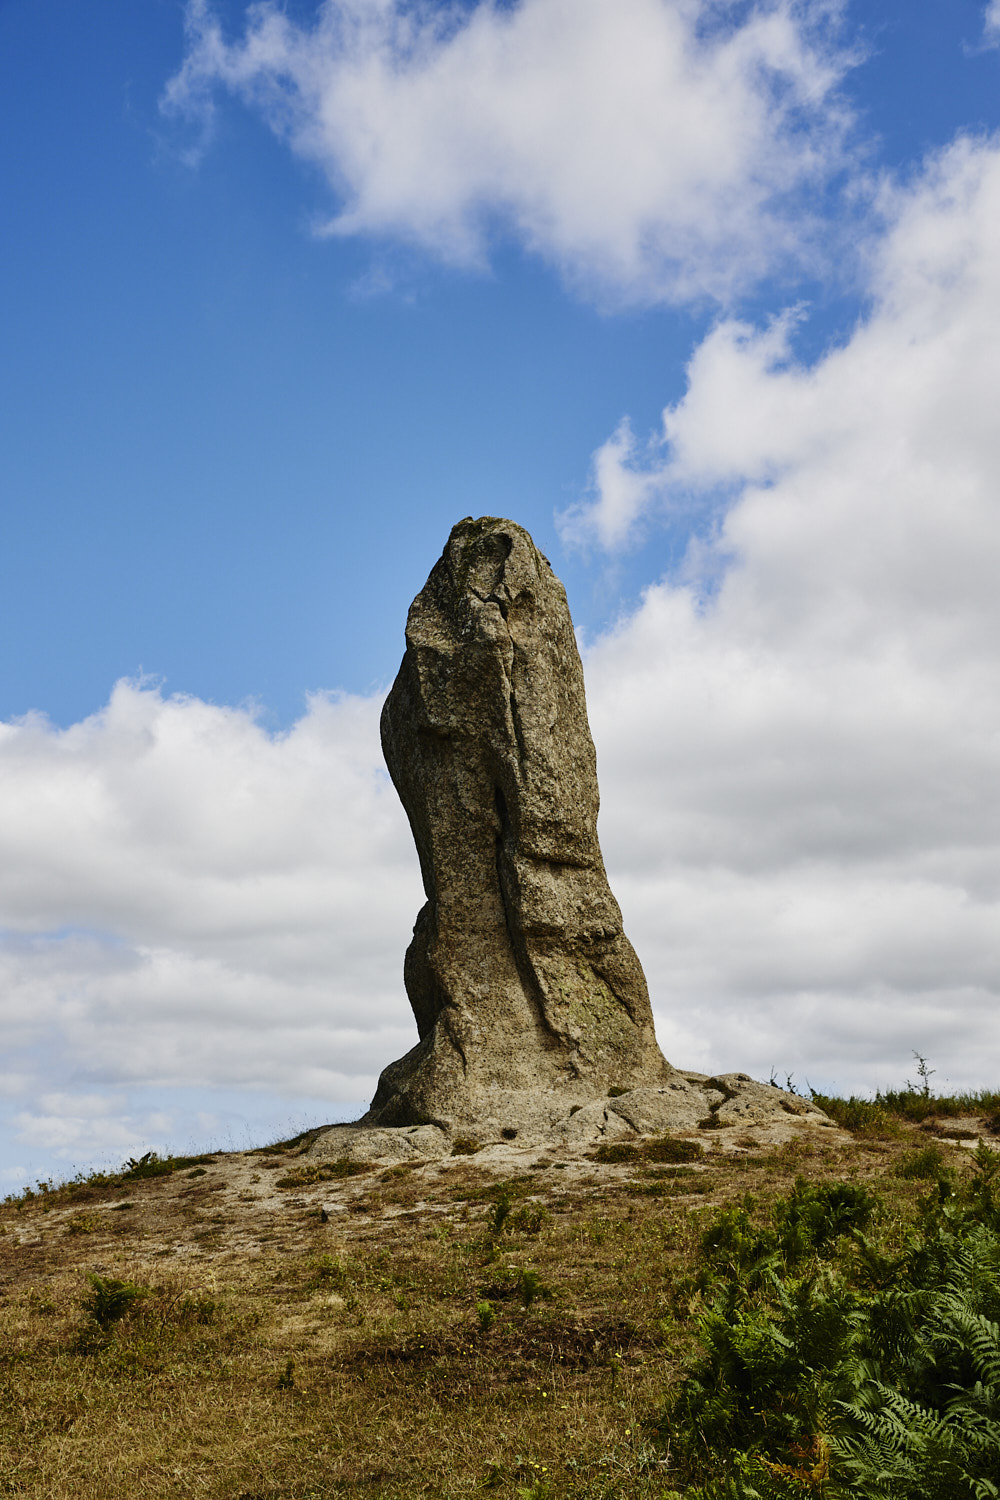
<point>527,994</point>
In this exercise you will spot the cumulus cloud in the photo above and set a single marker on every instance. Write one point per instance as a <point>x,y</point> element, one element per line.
<point>803,727</point>
<point>191,902</point>
<point>650,149</point>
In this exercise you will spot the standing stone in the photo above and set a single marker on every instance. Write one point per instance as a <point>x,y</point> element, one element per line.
<point>528,996</point>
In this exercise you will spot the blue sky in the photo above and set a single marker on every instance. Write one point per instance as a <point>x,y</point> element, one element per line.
<point>206,410</point>
<point>229,459</point>
<point>288,293</point>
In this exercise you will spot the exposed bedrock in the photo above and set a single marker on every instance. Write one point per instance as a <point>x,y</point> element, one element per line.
<point>727,1113</point>
<point>527,994</point>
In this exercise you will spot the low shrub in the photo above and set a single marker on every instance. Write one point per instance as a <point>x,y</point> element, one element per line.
<point>152,1165</point>
<point>925,1162</point>
<point>329,1272</point>
<point>808,1223</point>
<point>666,1149</point>
<point>532,1287</point>
<point>323,1171</point>
<point>876,1378</point>
<point>500,1213</point>
<point>84,1223</point>
<point>110,1300</point>
<point>530,1218</point>
<point>617,1151</point>
<point>464,1145</point>
<point>864,1117</point>
<point>915,1104</point>
<point>662,1149</point>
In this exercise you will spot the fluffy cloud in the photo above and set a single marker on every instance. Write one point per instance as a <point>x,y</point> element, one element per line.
<point>878,432</point>
<point>189,903</point>
<point>802,730</point>
<point>650,149</point>
<point>991,23</point>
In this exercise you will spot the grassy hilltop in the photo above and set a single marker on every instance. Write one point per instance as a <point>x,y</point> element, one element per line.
<point>816,1319</point>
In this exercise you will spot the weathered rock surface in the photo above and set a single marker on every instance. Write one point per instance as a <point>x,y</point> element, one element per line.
<point>365,1143</point>
<point>527,994</point>
<point>687,1103</point>
<point>534,1023</point>
<point>728,1112</point>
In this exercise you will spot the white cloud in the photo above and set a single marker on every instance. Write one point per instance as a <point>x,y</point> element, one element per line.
<point>991,23</point>
<point>801,734</point>
<point>650,148</point>
<point>189,901</point>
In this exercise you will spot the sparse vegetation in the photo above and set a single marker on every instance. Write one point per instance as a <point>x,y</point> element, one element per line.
<point>886,1113</point>
<point>323,1171</point>
<point>152,1165</point>
<point>664,1148</point>
<point>109,1300</point>
<point>925,1162</point>
<point>465,1146</point>
<point>814,1318</point>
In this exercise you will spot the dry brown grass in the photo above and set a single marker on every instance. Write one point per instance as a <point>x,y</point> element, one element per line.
<point>280,1357</point>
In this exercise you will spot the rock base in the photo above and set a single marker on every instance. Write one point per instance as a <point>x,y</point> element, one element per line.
<point>720,1109</point>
